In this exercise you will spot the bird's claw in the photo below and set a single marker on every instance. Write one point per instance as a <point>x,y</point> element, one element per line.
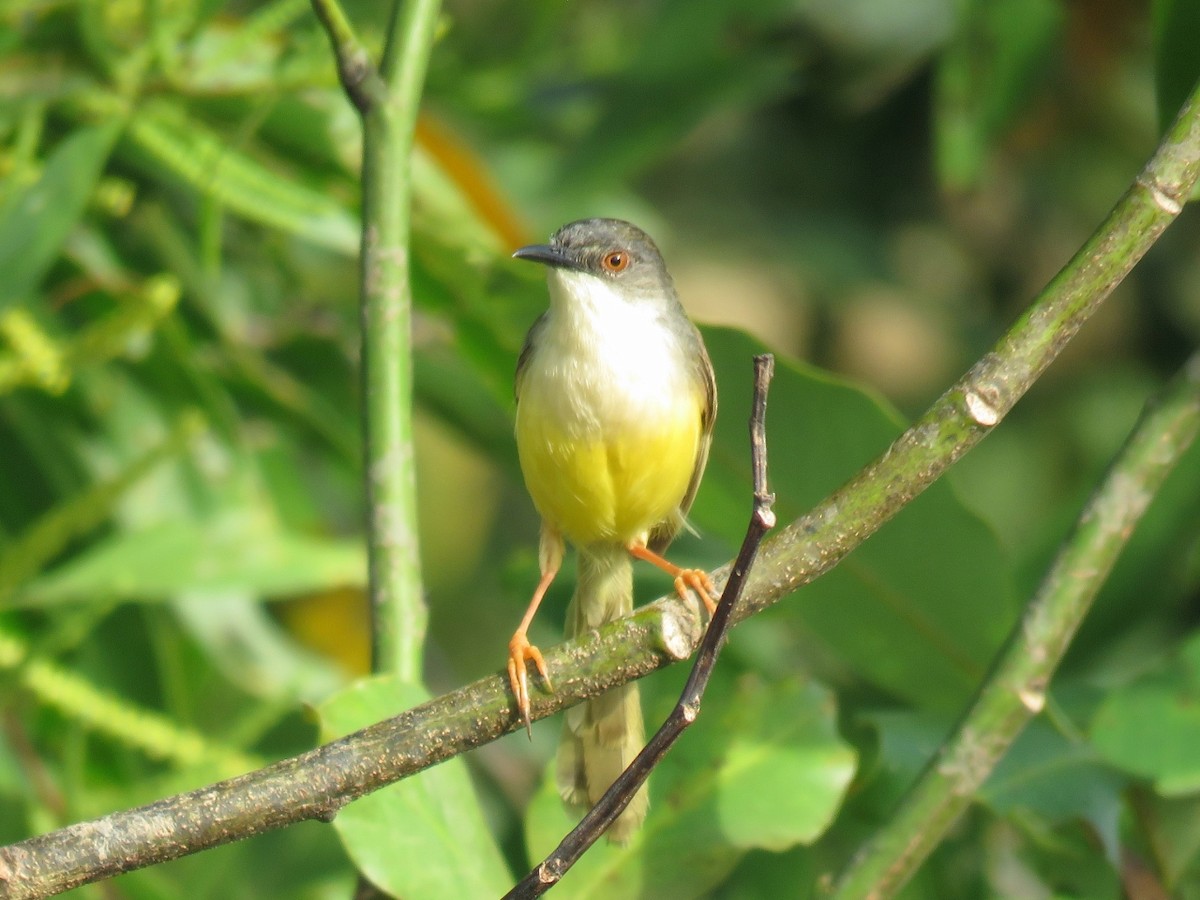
<point>520,651</point>
<point>698,581</point>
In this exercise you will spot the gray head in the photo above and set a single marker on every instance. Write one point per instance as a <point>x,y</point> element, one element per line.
<point>606,248</point>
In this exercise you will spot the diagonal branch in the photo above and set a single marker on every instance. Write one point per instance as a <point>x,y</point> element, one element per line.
<point>316,784</point>
<point>1015,690</point>
<point>964,414</point>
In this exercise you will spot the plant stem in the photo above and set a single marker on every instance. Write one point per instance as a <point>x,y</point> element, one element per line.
<point>388,99</point>
<point>1015,690</point>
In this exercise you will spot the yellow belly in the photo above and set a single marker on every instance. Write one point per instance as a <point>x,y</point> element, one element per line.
<point>614,484</point>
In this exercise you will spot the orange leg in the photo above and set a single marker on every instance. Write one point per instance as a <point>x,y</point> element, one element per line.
<point>696,579</point>
<point>520,651</point>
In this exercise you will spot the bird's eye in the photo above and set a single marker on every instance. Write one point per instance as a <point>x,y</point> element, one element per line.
<point>615,261</point>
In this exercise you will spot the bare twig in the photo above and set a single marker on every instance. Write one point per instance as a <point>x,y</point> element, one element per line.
<point>551,870</point>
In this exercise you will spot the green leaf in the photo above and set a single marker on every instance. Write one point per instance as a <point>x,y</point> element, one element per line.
<point>1058,780</point>
<point>166,137</point>
<point>37,219</point>
<point>422,837</point>
<point>763,767</point>
<point>924,604</point>
<point>906,740</point>
<point>236,552</point>
<point>785,769</point>
<point>42,541</point>
<point>1151,727</point>
<point>762,874</point>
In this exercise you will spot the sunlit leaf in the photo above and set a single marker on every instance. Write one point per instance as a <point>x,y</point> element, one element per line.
<point>168,139</point>
<point>55,529</point>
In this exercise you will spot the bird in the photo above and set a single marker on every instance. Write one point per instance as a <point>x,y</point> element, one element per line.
<point>616,400</point>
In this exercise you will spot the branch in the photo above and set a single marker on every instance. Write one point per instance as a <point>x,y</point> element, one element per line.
<point>388,100</point>
<point>1015,690</point>
<point>620,792</point>
<point>316,784</point>
<point>964,414</point>
<point>359,77</point>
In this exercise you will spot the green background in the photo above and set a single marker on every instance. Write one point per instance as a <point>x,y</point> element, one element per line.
<point>872,190</point>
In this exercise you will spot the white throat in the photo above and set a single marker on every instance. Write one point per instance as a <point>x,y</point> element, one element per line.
<point>614,359</point>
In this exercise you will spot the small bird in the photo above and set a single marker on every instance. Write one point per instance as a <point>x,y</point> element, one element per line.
<point>615,407</point>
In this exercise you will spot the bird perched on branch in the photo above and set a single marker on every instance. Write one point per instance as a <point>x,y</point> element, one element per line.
<point>615,407</point>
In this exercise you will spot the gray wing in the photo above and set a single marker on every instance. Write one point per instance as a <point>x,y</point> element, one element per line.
<point>665,531</point>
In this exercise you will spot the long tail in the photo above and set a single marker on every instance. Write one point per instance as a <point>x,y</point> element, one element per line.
<point>603,735</point>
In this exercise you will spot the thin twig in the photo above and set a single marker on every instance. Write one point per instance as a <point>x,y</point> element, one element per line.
<point>551,870</point>
<point>1015,690</point>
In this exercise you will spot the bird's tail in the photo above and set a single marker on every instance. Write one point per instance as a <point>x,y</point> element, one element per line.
<point>602,736</point>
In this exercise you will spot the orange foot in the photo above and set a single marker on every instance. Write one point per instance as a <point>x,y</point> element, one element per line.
<point>698,581</point>
<point>521,651</point>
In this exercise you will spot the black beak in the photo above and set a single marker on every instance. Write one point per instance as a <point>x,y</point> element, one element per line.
<point>546,254</point>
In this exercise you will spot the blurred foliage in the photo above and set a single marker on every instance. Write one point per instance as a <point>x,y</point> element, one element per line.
<point>874,187</point>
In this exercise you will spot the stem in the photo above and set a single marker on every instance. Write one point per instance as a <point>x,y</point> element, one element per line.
<point>388,100</point>
<point>360,79</point>
<point>1015,690</point>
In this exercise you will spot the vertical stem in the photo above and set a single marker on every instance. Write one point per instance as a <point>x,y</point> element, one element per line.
<point>397,604</point>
